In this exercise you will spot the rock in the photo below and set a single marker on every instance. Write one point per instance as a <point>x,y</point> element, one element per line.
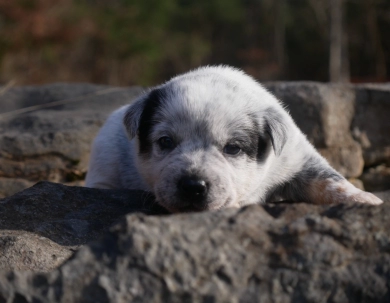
<point>53,141</point>
<point>21,250</point>
<point>273,253</point>
<point>384,195</point>
<point>9,186</point>
<point>376,156</point>
<point>324,113</point>
<point>347,160</point>
<point>60,96</point>
<point>371,122</point>
<point>57,219</point>
<point>376,178</point>
<point>278,252</point>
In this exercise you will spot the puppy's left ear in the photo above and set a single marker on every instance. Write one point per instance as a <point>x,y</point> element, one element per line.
<point>276,129</point>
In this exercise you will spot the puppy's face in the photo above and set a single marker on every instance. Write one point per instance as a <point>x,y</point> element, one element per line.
<point>201,145</point>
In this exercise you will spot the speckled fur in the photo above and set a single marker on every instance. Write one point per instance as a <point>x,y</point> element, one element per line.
<point>203,110</point>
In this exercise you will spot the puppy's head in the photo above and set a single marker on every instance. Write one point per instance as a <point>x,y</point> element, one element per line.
<point>206,141</point>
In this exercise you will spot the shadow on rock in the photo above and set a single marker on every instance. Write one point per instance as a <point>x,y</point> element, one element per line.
<point>71,216</point>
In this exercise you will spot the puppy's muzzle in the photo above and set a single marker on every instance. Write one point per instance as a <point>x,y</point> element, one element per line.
<point>193,190</point>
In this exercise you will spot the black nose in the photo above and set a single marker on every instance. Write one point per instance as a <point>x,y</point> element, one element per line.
<point>193,188</point>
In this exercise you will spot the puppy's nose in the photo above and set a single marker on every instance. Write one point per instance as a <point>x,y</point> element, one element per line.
<point>193,188</point>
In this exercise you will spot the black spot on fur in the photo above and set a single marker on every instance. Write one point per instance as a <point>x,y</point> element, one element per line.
<point>249,144</point>
<point>313,170</point>
<point>257,145</point>
<point>152,103</point>
<point>262,148</point>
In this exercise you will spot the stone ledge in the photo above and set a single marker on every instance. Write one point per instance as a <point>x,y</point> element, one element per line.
<point>279,252</point>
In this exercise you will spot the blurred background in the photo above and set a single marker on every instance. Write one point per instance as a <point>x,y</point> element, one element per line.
<point>144,42</point>
<point>46,130</point>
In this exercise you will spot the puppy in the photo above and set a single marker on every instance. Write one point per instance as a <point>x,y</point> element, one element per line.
<point>213,138</point>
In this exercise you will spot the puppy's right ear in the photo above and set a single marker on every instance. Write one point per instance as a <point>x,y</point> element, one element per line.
<point>132,116</point>
<point>139,117</point>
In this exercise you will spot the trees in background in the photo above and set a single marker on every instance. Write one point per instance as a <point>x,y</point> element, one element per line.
<point>338,58</point>
<point>124,42</point>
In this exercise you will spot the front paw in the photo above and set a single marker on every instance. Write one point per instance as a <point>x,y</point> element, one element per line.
<point>355,195</point>
<point>365,197</point>
<point>329,191</point>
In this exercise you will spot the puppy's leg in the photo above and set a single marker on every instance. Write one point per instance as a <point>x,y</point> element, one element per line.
<point>319,183</point>
<point>330,191</point>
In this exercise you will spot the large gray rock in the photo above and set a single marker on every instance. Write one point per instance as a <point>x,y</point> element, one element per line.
<point>273,253</point>
<point>21,250</point>
<point>324,112</point>
<point>41,227</point>
<point>64,96</point>
<point>384,195</point>
<point>52,142</point>
<point>371,127</point>
<point>348,160</point>
<point>376,178</point>
<point>371,123</point>
<point>11,185</point>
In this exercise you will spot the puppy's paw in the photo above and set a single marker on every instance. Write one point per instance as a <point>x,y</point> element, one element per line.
<point>365,197</point>
<point>329,191</point>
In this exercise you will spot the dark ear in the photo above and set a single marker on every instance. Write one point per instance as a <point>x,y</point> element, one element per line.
<point>276,129</point>
<point>133,116</point>
<point>139,116</point>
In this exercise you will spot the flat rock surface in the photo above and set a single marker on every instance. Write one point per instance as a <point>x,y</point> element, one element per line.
<point>273,253</point>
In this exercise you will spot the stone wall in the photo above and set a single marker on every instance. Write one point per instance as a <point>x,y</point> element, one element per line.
<point>46,131</point>
<point>57,244</point>
<point>74,244</point>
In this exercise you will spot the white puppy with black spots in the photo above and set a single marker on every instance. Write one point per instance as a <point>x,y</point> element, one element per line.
<point>213,138</point>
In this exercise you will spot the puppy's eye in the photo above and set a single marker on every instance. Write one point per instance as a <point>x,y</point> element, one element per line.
<point>231,149</point>
<point>166,143</point>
